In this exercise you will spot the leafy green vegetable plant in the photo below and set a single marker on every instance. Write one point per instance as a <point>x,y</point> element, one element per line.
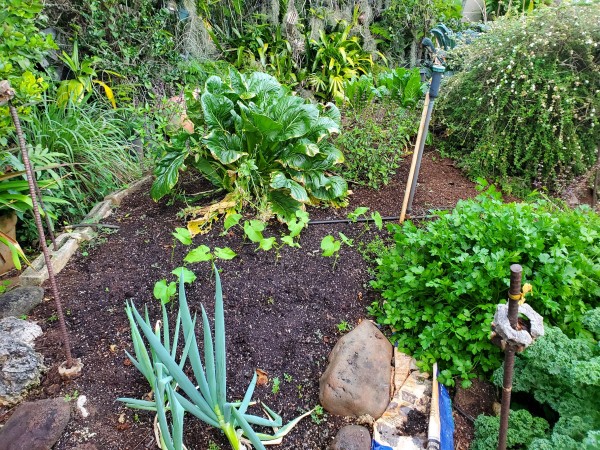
<point>440,284</point>
<point>522,429</point>
<point>563,373</point>
<point>402,85</point>
<point>156,357</point>
<point>267,147</point>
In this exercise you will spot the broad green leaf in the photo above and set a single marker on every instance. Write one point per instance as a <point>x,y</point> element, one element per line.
<point>224,253</point>
<point>283,205</point>
<point>346,240</point>
<point>330,245</point>
<point>377,219</point>
<point>231,220</point>
<point>183,235</point>
<point>253,229</point>
<point>297,191</point>
<point>224,147</point>
<point>216,110</point>
<point>188,275</point>
<point>163,291</point>
<point>199,254</point>
<point>266,244</point>
<point>289,240</point>
<point>167,173</point>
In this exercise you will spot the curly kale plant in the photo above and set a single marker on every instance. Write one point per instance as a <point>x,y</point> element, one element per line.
<point>525,109</point>
<point>522,429</point>
<point>441,283</point>
<point>264,145</point>
<point>564,374</point>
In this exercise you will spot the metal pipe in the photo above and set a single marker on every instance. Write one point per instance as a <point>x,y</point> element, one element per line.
<point>514,294</point>
<point>7,93</point>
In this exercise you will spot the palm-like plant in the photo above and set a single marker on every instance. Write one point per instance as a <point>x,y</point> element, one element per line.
<point>205,399</point>
<point>337,58</point>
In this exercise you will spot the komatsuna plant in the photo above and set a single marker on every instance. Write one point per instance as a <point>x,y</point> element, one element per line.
<point>263,145</point>
<point>156,357</point>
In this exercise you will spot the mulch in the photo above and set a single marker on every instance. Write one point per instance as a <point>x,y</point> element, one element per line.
<point>281,311</point>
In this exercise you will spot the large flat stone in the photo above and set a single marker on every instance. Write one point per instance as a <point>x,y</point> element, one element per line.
<point>35,425</point>
<point>20,369</point>
<point>20,301</point>
<point>357,380</point>
<point>21,330</point>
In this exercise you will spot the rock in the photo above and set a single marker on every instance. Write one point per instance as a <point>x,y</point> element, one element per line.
<point>21,330</point>
<point>357,380</point>
<point>20,369</point>
<point>352,437</point>
<point>20,301</point>
<point>35,425</point>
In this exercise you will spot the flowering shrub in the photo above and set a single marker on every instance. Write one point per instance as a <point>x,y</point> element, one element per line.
<point>524,110</point>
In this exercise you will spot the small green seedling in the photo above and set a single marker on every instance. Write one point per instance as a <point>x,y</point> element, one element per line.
<point>202,253</point>
<point>287,377</point>
<point>163,291</point>
<point>276,385</point>
<point>318,415</point>
<point>72,396</point>
<point>183,235</point>
<point>343,326</point>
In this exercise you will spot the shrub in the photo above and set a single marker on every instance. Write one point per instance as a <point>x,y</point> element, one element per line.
<point>263,145</point>
<point>564,374</point>
<point>375,142</point>
<point>441,284</point>
<point>22,47</point>
<point>523,111</point>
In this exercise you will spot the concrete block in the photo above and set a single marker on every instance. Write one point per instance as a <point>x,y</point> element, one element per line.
<point>117,197</point>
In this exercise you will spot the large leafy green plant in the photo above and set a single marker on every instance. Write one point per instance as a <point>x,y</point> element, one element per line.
<point>402,85</point>
<point>264,145</point>
<point>441,283</point>
<point>174,394</point>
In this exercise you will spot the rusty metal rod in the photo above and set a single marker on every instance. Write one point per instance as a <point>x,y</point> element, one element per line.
<point>516,272</point>
<point>38,223</point>
<point>46,216</point>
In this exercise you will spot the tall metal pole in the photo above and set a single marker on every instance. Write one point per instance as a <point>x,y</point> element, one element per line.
<point>514,295</point>
<point>6,95</point>
<point>413,176</point>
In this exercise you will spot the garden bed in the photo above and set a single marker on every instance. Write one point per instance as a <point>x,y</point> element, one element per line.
<point>281,313</point>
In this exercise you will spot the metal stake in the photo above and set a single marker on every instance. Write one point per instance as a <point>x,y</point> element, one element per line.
<point>7,93</point>
<point>516,272</point>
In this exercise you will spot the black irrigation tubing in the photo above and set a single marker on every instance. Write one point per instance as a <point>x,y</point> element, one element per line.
<point>370,219</point>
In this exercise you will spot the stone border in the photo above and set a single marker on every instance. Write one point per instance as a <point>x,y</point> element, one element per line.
<point>68,243</point>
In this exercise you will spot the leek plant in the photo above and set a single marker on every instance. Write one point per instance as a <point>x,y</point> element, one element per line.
<point>174,393</point>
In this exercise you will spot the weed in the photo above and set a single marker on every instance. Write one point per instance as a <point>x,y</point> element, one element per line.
<point>72,396</point>
<point>276,383</point>
<point>318,415</point>
<point>52,318</point>
<point>343,326</point>
<point>287,377</point>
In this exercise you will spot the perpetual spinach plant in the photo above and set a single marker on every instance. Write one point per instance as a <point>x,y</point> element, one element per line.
<point>263,145</point>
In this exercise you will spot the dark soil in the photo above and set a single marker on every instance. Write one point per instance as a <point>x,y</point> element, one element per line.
<point>417,423</point>
<point>281,312</point>
<point>468,404</point>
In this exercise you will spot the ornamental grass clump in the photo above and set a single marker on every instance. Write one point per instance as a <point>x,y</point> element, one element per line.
<point>441,283</point>
<point>524,109</point>
<point>162,359</point>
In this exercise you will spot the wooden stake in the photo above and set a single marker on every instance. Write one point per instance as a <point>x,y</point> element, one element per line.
<point>415,158</point>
